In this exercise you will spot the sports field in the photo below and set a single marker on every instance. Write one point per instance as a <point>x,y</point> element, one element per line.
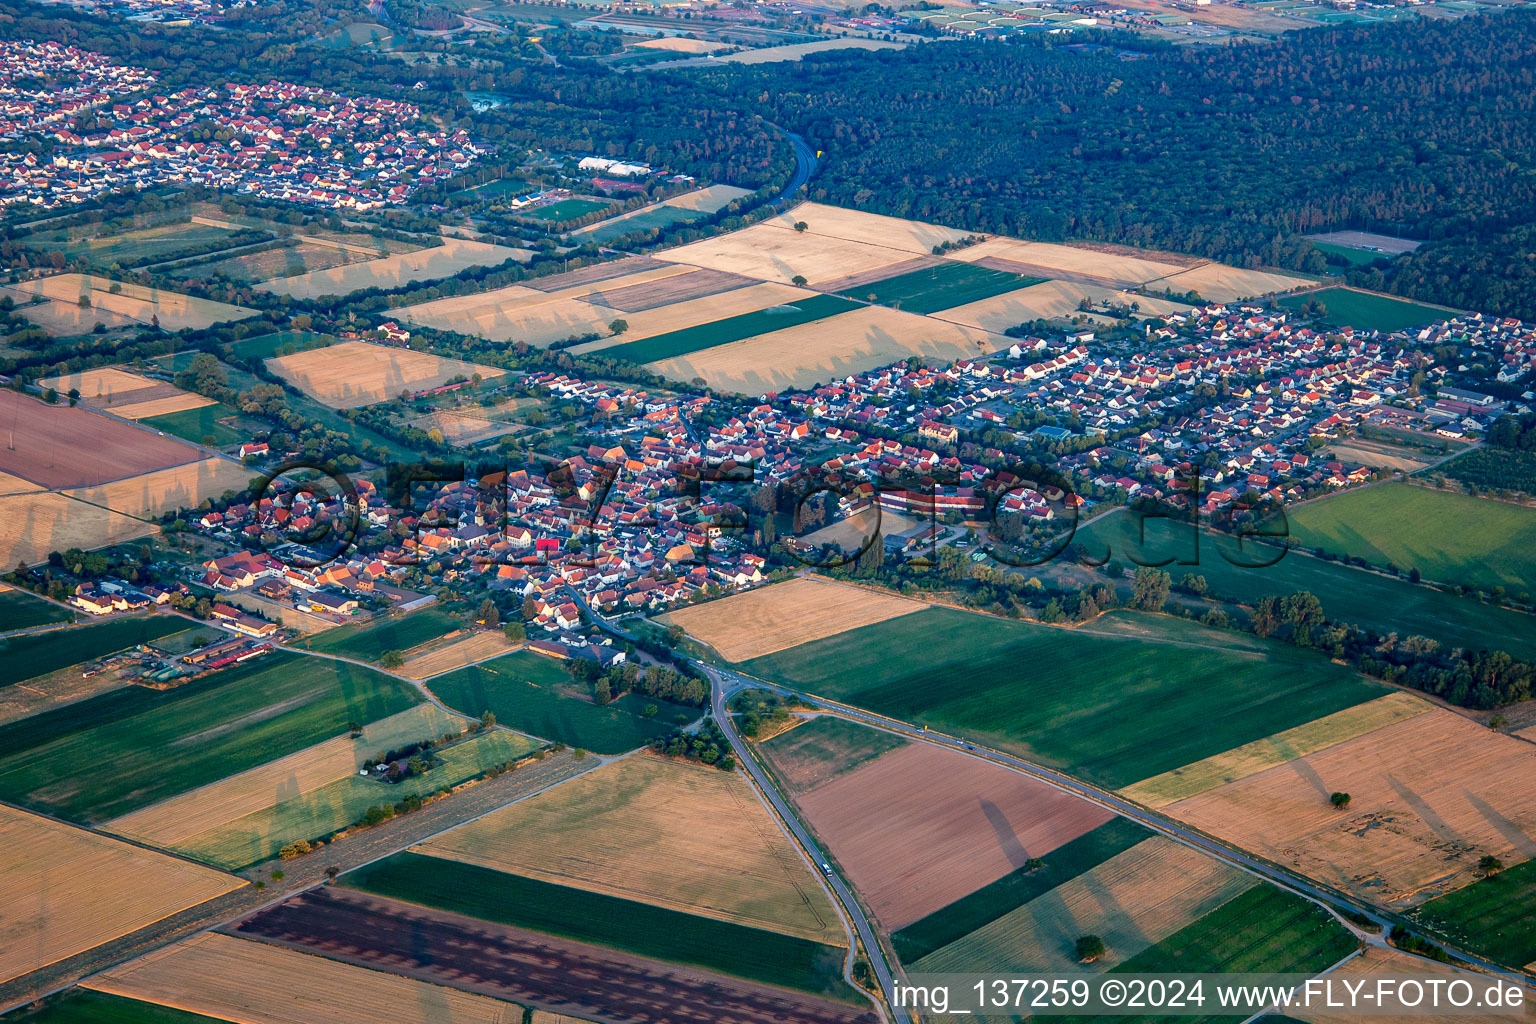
<point>1115,709</point>
<point>1448,537</point>
<point>199,425</point>
<point>1350,254</point>
<point>768,619</point>
<point>356,373</point>
<point>259,983</point>
<point>66,890</point>
<point>366,641</point>
<point>535,695</point>
<point>735,328</point>
<point>1016,889</point>
<point>566,209</point>
<point>126,749</point>
<point>1368,311</point>
<point>35,654</point>
<point>653,830</point>
<point>1495,916</point>
<point>396,271</point>
<point>19,609</point>
<point>823,748</point>
<point>1371,601</point>
<point>604,920</point>
<point>940,287</point>
<point>1408,834</point>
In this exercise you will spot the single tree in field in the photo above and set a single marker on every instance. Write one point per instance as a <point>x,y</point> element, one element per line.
<point>1339,800</point>
<point>1489,865</point>
<point>798,280</point>
<point>619,326</point>
<point>392,659</point>
<point>801,225</point>
<point>1090,948</point>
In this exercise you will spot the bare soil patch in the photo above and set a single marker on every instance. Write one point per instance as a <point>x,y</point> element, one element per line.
<point>58,447</point>
<point>923,825</point>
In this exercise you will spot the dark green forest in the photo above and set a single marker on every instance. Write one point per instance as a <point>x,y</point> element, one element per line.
<point>1420,128</point>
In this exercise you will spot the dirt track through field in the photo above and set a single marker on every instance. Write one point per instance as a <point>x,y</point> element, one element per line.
<point>526,967</point>
<point>922,826</point>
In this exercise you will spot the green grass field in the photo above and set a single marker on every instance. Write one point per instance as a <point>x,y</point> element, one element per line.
<point>1264,929</point>
<point>641,220</point>
<point>1365,311</point>
<point>257,837</point>
<point>133,247</point>
<point>266,346</point>
<point>19,609</point>
<point>35,654</point>
<point>523,690</point>
<point>122,750</point>
<point>638,928</point>
<point>945,286</point>
<point>1013,890</point>
<point>1351,255</point>
<point>829,746</point>
<point>1373,602</point>
<point>368,640</point>
<point>732,328</point>
<point>1494,916</point>
<point>1113,709</point>
<point>1448,537</point>
<point>199,425</point>
<point>566,209</point>
<point>83,1006</point>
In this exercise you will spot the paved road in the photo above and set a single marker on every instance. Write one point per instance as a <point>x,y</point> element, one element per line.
<point>726,683</point>
<point>805,166</point>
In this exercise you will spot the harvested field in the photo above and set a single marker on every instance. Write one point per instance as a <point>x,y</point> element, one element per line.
<point>867,228</point>
<point>264,265</point>
<point>707,200</point>
<point>594,274</point>
<point>651,830</point>
<point>1408,835</point>
<point>16,485</point>
<point>677,288</point>
<point>1261,755</point>
<point>922,826</point>
<point>103,384</point>
<point>772,253</point>
<point>1047,300</point>
<point>826,349</point>
<point>1376,961</point>
<point>172,823</point>
<point>464,427</point>
<point>1131,901</point>
<point>537,316</point>
<point>785,615</point>
<point>57,447</point>
<point>259,983</point>
<point>151,494</point>
<point>64,891</point>
<point>65,319</point>
<point>454,255</point>
<point>475,647</point>
<point>678,44</point>
<point>849,284</point>
<point>180,402</point>
<point>795,51</point>
<point>1216,282</point>
<point>82,1006</point>
<point>553,974</point>
<point>823,748</point>
<point>342,803</point>
<point>32,525</point>
<point>136,302</point>
<point>1115,269</point>
<point>356,373</point>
